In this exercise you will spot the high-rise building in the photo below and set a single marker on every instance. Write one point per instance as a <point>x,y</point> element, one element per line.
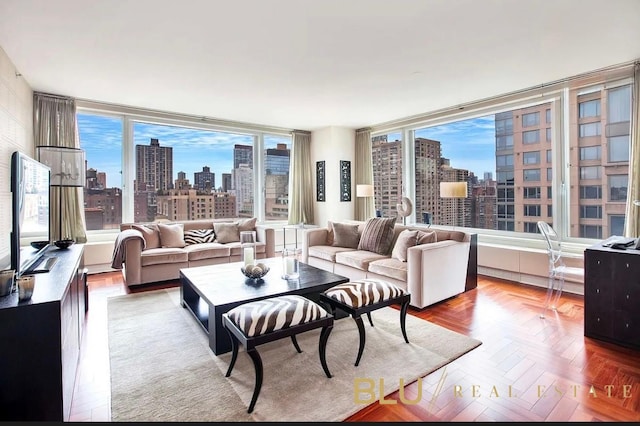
<point>154,172</point>
<point>154,167</point>
<point>428,158</point>
<point>182,182</point>
<point>277,182</point>
<point>242,154</point>
<point>387,179</point>
<point>226,182</point>
<point>204,180</point>
<point>243,189</point>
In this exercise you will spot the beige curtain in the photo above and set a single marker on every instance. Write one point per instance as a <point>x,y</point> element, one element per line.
<point>632,224</point>
<point>301,189</point>
<point>54,124</point>
<point>363,173</point>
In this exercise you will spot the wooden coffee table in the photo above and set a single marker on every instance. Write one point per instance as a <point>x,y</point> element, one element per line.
<point>209,291</point>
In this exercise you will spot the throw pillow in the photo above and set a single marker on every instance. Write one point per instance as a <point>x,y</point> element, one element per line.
<point>172,235</point>
<point>377,235</point>
<point>345,235</point>
<point>406,239</point>
<point>226,232</point>
<point>427,237</point>
<point>247,224</point>
<point>329,233</point>
<point>199,236</point>
<point>150,234</point>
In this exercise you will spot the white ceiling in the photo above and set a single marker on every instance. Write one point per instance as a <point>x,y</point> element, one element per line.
<point>309,64</point>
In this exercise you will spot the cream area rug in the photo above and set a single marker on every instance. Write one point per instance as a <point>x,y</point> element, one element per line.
<point>163,370</point>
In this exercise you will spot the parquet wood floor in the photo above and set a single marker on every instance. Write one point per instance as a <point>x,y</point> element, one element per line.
<point>527,368</point>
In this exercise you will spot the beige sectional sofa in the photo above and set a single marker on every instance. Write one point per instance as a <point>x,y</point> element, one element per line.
<point>145,257</point>
<point>432,272</point>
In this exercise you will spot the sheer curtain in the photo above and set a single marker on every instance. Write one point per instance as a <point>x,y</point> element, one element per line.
<point>301,180</point>
<point>632,224</point>
<point>363,168</point>
<point>54,124</point>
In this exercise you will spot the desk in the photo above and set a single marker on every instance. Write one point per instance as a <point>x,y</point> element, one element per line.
<point>612,295</point>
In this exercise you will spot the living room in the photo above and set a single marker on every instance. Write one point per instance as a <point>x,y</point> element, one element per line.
<point>398,102</point>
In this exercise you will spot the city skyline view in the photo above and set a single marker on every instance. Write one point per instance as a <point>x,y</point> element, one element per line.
<point>101,137</point>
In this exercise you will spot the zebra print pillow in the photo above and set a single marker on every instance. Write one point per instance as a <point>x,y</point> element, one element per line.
<point>199,236</point>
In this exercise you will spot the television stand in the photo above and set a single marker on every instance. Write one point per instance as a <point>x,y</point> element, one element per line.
<point>44,266</point>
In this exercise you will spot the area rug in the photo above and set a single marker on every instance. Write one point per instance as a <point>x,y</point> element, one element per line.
<point>163,370</point>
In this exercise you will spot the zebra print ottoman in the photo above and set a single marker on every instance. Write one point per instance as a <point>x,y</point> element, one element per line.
<point>363,296</point>
<point>263,321</point>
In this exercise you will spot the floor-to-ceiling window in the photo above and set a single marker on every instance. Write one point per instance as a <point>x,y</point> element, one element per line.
<point>142,170</point>
<point>573,145</point>
<point>386,152</point>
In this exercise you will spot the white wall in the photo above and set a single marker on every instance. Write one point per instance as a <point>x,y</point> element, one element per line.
<point>331,145</point>
<point>16,134</point>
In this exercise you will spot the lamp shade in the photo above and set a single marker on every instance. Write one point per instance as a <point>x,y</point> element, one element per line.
<point>364,190</point>
<point>66,164</point>
<point>453,189</point>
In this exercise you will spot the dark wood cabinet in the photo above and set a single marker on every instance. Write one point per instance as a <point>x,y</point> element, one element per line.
<point>40,342</point>
<point>612,295</point>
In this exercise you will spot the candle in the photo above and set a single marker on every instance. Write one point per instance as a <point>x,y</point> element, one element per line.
<point>290,267</point>
<point>248,256</point>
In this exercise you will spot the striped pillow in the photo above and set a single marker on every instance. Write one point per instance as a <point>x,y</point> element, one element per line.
<point>199,236</point>
<point>377,235</point>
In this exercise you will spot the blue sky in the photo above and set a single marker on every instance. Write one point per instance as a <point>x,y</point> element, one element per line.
<point>469,144</point>
<point>101,138</point>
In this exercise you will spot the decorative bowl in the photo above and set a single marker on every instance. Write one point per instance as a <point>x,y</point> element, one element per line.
<point>256,271</point>
<point>64,244</point>
<point>39,244</point>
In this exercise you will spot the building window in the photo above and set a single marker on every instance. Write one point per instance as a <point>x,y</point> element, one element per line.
<point>504,160</point>
<point>531,227</point>
<point>531,136</point>
<point>549,210</point>
<point>590,212</point>
<point>589,108</point>
<point>589,129</point>
<point>549,192</point>
<point>590,172</point>
<point>618,187</point>
<point>591,231</point>
<point>101,137</point>
<point>549,174</point>
<point>616,224</point>
<point>619,148</point>
<point>547,115</point>
<point>504,142</point>
<point>531,119</point>
<point>548,134</point>
<point>531,192</point>
<point>590,153</point>
<point>591,192</point>
<point>531,175</point>
<point>532,210</point>
<point>531,157</point>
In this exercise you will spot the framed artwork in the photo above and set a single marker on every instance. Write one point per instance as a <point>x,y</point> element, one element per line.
<point>320,173</point>
<point>345,180</point>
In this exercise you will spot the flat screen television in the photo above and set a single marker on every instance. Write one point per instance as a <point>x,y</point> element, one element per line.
<point>30,199</point>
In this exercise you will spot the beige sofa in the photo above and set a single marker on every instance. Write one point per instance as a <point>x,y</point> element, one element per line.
<point>144,260</point>
<point>431,273</point>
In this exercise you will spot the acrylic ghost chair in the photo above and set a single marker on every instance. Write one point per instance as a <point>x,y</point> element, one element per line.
<point>557,269</point>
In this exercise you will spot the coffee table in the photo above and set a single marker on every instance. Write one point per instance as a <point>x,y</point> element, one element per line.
<point>209,291</point>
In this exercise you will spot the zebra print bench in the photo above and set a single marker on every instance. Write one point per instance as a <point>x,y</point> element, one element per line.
<point>263,321</point>
<point>362,297</point>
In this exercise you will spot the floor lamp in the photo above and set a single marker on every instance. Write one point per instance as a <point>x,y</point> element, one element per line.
<point>453,190</point>
<point>67,171</point>
<point>364,190</point>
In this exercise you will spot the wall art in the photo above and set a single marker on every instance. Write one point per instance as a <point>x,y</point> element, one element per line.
<point>320,173</point>
<point>345,180</point>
